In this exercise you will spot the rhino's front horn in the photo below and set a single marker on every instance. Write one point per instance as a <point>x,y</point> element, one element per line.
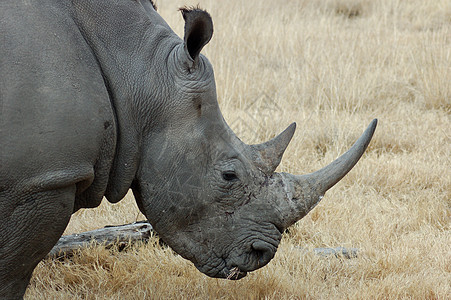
<point>267,156</point>
<point>305,191</point>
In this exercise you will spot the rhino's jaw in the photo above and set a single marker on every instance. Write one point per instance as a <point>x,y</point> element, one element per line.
<point>238,266</point>
<point>232,272</point>
<point>224,272</point>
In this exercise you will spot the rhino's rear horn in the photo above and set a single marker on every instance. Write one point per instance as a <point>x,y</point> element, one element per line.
<point>267,156</point>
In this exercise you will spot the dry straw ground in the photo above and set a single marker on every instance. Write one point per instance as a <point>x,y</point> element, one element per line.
<point>331,66</point>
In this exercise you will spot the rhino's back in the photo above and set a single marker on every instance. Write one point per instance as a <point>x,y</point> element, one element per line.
<point>56,118</point>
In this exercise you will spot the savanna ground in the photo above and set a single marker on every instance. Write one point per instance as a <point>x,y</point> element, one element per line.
<point>331,66</point>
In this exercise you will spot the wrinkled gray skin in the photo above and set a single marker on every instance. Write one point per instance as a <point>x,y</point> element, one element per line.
<point>98,97</point>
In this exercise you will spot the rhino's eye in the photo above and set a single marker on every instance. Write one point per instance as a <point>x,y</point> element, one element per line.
<point>229,176</point>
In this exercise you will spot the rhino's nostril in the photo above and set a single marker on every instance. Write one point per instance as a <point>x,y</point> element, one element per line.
<point>263,252</point>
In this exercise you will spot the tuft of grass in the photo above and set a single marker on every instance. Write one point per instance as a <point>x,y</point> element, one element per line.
<point>331,66</point>
<point>348,8</point>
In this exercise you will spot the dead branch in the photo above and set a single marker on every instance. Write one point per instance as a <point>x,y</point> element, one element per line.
<point>121,236</point>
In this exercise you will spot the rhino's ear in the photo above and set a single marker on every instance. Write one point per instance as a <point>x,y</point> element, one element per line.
<point>198,30</point>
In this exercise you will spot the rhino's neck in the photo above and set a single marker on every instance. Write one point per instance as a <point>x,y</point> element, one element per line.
<point>125,40</point>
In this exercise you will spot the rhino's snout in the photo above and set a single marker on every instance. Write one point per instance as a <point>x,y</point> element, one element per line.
<point>242,260</point>
<point>260,254</point>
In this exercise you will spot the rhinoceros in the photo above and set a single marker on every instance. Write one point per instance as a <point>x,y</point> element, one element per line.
<point>99,97</point>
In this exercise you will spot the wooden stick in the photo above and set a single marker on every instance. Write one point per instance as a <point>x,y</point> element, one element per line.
<point>121,235</point>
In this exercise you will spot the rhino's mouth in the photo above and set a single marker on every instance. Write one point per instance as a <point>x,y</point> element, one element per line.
<point>235,274</point>
<point>223,271</point>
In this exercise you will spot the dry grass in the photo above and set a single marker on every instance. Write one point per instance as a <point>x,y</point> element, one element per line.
<point>331,66</point>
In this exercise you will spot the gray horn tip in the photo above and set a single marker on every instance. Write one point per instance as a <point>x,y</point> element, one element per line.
<point>370,131</point>
<point>335,171</point>
<point>373,124</point>
<point>289,132</point>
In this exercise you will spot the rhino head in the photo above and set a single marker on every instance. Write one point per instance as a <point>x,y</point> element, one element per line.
<point>212,198</point>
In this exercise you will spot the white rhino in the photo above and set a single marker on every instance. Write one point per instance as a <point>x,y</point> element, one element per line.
<point>98,97</point>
